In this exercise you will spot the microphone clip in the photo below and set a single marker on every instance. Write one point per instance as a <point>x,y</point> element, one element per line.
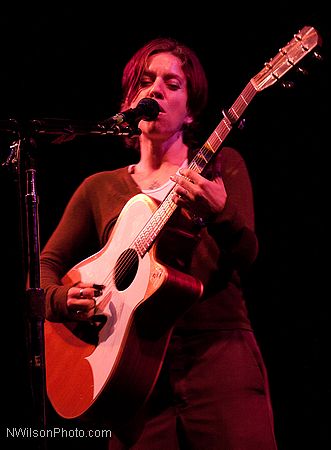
<point>129,130</point>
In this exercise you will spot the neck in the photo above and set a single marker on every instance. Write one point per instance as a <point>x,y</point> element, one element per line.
<point>158,161</point>
<point>155,154</point>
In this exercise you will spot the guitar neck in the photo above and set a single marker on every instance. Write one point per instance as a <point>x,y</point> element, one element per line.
<point>216,139</point>
<point>212,145</point>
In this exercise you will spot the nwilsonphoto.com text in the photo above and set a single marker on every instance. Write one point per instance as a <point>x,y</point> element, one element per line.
<point>55,433</point>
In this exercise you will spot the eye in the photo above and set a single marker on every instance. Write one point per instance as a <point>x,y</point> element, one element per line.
<point>145,81</point>
<point>173,86</point>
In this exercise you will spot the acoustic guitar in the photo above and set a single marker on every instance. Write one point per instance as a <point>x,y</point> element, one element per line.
<point>112,364</point>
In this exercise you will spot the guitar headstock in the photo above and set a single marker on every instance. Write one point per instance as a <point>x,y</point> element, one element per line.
<point>288,57</point>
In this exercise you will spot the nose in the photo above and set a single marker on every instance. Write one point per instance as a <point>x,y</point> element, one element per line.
<point>155,94</point>
<point>156,90</point>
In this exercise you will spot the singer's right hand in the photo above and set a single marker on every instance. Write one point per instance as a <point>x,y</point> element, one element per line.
<point>81,300</point>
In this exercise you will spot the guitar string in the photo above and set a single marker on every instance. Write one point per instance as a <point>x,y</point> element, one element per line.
<point>167,207</point>
<point>128,263</point>
<point>141,243</point>
<point>235,113</point>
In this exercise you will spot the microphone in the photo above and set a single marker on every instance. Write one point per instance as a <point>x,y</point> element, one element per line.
<point>147,109</point>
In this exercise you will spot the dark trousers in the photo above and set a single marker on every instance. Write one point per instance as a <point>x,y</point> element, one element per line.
<point>212,394</point>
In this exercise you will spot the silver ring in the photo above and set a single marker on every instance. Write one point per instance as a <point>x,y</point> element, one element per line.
<point>81,293</point>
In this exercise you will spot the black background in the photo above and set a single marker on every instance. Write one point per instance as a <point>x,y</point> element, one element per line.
<point>67,63</point>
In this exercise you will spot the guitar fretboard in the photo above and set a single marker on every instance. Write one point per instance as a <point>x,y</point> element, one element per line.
<point>165,210</point>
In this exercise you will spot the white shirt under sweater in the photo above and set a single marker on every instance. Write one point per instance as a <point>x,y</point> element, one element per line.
<point>160,192</point>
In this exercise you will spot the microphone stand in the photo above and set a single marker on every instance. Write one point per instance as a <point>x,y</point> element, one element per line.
<point>21,157</point>
<point>22,162</point>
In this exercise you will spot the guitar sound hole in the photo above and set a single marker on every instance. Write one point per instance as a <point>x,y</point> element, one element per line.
<point>126,268</point>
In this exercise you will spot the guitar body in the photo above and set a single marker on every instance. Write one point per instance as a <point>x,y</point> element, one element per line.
<point>121,355</point>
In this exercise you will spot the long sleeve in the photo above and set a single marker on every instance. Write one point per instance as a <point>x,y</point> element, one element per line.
<point>69,243</point>
<point>227,248</point>
<point>83,229</point>
<point>234,228</point>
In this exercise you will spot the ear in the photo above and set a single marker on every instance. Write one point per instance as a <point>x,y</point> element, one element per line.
<point>188,119</point>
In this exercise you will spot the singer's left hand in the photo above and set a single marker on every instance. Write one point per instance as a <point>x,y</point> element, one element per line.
<point>204,198</point>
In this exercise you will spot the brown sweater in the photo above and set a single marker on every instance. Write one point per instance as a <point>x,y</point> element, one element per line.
<point>220,253</point>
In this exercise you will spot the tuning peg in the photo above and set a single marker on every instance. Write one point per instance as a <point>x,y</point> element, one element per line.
<point>318,56</point>
<point>302,71</point>
<point>287,84</point>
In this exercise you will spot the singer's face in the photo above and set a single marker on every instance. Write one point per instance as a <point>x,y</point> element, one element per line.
<point>165,81</point>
